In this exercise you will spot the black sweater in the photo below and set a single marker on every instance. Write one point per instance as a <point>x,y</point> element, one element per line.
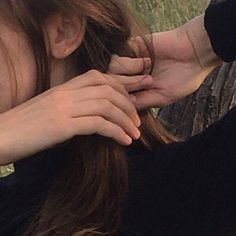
<point>185,188</point>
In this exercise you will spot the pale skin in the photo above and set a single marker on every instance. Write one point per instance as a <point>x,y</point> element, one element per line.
<point>93,103</point>
<point>70,108</point>
<point>184,57</point>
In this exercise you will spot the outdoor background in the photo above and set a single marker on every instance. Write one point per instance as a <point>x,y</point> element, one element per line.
<point>158,15</point>
<point>162,15</point>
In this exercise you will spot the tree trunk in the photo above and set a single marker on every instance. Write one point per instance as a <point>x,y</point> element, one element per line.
<point>211,102</point>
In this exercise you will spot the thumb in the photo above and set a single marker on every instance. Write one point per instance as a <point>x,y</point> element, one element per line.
<point>148,99</point>
<point>129,66</point>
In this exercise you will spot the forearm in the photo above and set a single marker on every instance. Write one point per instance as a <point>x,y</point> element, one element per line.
<point>8,149</point>
<point>198,36</point>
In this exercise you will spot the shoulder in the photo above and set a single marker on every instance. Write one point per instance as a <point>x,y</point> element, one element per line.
<point>218,138</point>
<point>205,157</point>
<point>173,187</point>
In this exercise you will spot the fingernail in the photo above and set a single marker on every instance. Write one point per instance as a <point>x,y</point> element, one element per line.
<point>138,121</point>
<point>137,134</point>
<point>128,140</point>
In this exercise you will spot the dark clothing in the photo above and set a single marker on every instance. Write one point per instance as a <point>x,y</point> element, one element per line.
<point>184,188</point>
<point>220,22</point>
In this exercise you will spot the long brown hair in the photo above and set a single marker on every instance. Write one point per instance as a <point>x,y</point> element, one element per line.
<point>95,179</point>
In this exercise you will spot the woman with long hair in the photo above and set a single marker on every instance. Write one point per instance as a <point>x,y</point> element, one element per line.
<point>59,113</point>
<point>85,176</point>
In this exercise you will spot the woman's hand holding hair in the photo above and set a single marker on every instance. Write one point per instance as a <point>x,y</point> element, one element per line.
<point>93,103</point>
<point>183,58</point>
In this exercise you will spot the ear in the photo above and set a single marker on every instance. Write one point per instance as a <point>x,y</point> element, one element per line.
<point>64,34</point>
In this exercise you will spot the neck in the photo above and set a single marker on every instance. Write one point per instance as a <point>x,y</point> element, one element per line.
<point>62,71</point>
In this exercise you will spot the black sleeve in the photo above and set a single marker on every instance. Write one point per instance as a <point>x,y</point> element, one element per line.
<point>186,188</point>
<point>220,23</point>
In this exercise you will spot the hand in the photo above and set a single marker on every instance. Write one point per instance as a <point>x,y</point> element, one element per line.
<point>92,103</point>
<point>177,69</point>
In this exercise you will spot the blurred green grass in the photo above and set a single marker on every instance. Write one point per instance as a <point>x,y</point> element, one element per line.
<point>161,15</point>
<point>158,15</point>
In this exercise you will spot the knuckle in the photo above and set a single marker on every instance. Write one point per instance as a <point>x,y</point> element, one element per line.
<point>122,88</point>
<point>97,122</point>
<point>108,90</point>
<point>106,105</point>
<point>98,76</point>
<point>131,106</point>
<point>131,110</point>
<point>138,79</point>
<point>104,79</point>
<point>94,73</point>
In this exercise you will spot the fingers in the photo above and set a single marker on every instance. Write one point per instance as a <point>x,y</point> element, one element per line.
<point>129,66</point>
<point>99,95</point>
<point>134,83</point>
<point>105,109</point>
<point>146,83</point>
<point>89,125</point>
<point>148,99</point>
<point>108,93</point>
<point>121,83</point>
<point>91,78</point>
<point>96,78</point>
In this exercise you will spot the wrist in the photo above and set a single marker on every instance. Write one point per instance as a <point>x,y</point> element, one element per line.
<point>198,36</point>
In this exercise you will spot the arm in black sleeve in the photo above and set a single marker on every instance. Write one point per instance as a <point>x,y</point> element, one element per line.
<point>220,23</point>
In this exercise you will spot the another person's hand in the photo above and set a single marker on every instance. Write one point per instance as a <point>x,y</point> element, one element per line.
<point>92,103</point>
<point>183,58</point>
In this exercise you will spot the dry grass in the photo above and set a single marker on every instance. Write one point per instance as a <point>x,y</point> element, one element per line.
<point>163,15</point>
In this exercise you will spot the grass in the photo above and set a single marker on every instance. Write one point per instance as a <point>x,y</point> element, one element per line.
<point>159,15</point>
<point>5,171</point>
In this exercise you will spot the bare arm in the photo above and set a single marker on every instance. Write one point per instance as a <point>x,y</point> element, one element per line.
<point>93,103</point>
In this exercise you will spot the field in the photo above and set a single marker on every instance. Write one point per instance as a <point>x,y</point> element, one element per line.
<point>162,15</point>
<point>159,15</point>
